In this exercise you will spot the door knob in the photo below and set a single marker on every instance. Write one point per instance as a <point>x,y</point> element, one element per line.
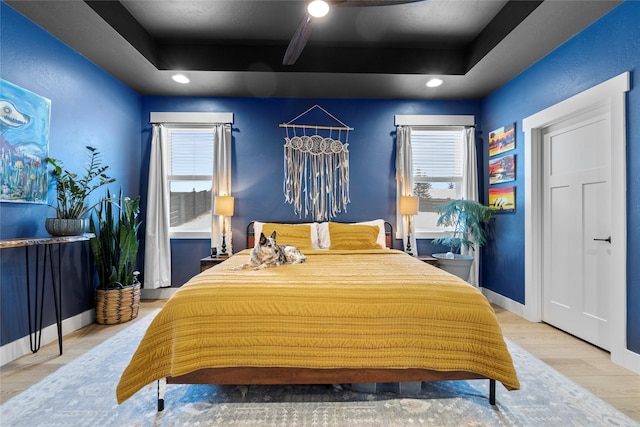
<point>608,239</point>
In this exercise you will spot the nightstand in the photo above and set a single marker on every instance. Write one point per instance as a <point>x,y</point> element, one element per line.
<point>428,259</point>
<point>209,261</point>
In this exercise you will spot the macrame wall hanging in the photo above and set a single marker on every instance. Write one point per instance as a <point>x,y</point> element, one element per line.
<point>316,168</point>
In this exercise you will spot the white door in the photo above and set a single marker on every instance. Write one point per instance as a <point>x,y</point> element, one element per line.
<point>577,226</point>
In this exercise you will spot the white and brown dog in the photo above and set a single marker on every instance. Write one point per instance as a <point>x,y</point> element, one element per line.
<point>269,254</point>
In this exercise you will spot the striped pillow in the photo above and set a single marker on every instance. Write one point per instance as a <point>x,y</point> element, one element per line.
<point>353,236</point>
<point>297,235</point>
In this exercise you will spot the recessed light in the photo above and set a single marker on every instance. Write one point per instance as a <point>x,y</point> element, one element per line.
<point>318,8</point>
<point>434,82</point>
<point>180,78</point>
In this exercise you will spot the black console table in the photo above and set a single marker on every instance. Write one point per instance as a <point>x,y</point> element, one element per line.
<point>37,302</point>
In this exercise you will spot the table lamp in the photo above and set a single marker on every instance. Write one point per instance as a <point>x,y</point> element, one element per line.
<point>409,207</point>
<point>223,205</point>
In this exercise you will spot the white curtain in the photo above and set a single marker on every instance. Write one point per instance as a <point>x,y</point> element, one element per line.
<point>221,185</point>
<point>470,192</point>
<point>404,182</point>
<point>157,249</point>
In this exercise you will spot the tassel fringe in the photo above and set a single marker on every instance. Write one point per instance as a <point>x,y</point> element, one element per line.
<point>316,176</point>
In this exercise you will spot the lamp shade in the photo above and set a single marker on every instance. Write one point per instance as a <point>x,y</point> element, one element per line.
<point>408,205</point>
<point>223,205</point>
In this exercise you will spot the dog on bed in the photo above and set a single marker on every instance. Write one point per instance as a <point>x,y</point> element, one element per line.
<point>269,254</point>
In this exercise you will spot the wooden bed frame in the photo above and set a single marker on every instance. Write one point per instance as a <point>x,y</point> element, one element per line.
<point>264,376</point>
<point>275,375</point>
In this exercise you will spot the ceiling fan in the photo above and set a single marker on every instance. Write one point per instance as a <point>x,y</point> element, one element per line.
<point>302,33</point>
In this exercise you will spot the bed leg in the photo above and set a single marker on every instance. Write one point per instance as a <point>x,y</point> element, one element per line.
<point>162,386</point>
<point>492,392</point>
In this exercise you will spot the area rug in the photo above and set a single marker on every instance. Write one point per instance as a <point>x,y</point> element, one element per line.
<point>82,393</point>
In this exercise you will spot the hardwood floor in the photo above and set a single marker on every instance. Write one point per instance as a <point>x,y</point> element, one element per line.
<point>18,375</point>
<point>578,360</point>
<point>585,364</point>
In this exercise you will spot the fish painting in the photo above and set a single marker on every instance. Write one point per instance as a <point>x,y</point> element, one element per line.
<point>24,144</point>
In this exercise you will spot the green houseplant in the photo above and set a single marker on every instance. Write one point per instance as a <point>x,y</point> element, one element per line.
<point>115,249</point>
<point>468,219</point>
<point>72,192</point>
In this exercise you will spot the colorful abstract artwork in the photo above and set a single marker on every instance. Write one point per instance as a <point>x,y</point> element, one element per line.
<point>24,144</point>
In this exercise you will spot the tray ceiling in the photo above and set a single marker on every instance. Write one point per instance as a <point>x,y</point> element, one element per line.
<point>235,48</point>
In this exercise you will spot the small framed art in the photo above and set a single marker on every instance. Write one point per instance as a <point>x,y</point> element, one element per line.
<point>502,139</point>
<point>502,169</point>
<point>503,199</point>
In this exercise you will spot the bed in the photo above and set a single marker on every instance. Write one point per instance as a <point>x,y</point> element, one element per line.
<point>357,311</point>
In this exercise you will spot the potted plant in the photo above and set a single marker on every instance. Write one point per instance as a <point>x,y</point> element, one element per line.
<point>468,219</point>
<point>115,249</point>
<point>72,192</point>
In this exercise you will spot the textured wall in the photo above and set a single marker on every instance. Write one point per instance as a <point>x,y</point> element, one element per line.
<point>257,169</point>
<point>88,107</point>
<point>607,48</point>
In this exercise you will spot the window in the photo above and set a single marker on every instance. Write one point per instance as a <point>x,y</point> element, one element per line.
<point>438,156</point>
<point>190,178</point>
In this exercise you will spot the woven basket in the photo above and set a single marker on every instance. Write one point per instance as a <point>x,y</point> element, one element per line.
<point>115,306</point>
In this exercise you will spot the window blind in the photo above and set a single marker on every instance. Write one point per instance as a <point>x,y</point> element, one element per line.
<point>437,155</point>
<point>191,152</point>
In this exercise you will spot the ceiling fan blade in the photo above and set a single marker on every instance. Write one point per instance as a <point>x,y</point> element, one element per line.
<point>363,3</point>
<point>298,41</point>
<point>302,33</point>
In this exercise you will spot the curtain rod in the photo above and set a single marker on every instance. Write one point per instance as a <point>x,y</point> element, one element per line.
<point>287,125</point>
<point>438,126</point>
<point>187,124</point>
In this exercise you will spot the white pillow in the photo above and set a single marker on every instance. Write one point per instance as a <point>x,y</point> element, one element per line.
<point>324,237</point>
<point>257,229</point>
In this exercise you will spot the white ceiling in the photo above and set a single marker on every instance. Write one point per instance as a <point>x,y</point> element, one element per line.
<point>234,48</point>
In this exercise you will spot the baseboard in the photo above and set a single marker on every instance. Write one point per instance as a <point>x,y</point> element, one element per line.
<point>504,302</point>
<point>160,293</point>
<point>627,359</point>
<point>21,346</point>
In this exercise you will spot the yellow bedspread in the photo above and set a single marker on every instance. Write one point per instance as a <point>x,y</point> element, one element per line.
<point>340,309</point>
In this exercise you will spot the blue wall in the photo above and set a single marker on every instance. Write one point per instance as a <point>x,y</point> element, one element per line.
<point>607,48</point>
<point>257,169</point>
<point>88,107</point>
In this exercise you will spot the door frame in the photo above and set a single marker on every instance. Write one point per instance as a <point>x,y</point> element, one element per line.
<point>611,94</point>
